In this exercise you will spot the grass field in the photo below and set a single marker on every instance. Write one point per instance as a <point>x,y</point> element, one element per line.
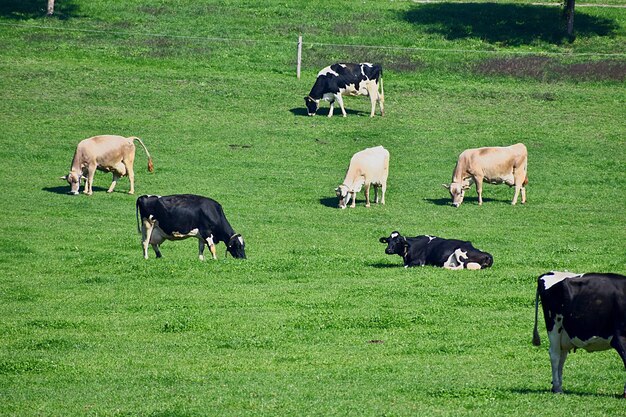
<point>318,320</point>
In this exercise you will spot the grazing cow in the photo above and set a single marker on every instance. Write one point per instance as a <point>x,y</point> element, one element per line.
<point>108,153</point>
<point>496,165</point>
<point>177,217</point>
<point>367,167</point>
<point>585,311</point>
<point>351,79</point>
<point>436,251</point>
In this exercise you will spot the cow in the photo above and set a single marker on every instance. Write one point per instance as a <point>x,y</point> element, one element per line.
<point>586,311</point>
<point>351,79</point>
<point>177,217</point>
<point>367,167</point>
<point>436,251</point>
<point>495,165</point>
<point>108,153</point>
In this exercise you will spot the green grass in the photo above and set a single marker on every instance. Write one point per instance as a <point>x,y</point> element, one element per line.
<point>89,327</point>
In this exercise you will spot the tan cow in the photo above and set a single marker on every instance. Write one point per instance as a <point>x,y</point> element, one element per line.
<point>495,165</point>
<point>108,153</point>
<point>367,167</point>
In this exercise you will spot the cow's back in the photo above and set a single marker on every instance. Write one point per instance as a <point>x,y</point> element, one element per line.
<point>373,163</point>
<point>105,150</point>
<point>495,161</point>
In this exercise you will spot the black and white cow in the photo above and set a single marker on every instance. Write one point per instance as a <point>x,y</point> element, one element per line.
<point>177,217</point>
<point>585,311</point>
<point>436,251</point>
<point>351,79</point>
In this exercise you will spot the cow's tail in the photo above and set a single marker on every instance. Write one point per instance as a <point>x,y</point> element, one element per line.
<point>137,215</point>
<point>150,164</point>
<point>536,338</point>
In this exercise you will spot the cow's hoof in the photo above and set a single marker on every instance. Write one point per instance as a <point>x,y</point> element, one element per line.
<point>131,192</point>
<point>367,205</point>
<point>109,191</point>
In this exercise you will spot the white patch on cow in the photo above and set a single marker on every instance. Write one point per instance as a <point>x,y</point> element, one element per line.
<point>328,96</point>
<point>395,234</point>
<point>192,233</point>
<point>554,277</point>
<point>472,265</point>
<point>326,71</point>
<point>430,238</point>
<point>455,260</point>
<point>240,240</point>
<point>209,240</point>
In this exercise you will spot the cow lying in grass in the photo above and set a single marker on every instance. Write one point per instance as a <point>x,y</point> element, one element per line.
<point>436,251</point>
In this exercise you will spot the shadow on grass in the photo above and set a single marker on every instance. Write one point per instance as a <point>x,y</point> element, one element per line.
<point>33,9</point>
<point>535,391</point>
<point>471,200</point>
<point>331,202</point>
<point>323,111</point>
<point>504,24</point>
<point>65,189</point>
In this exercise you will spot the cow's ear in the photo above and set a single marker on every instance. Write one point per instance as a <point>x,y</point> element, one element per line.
<point>446,186</point>
<point>384,240</point>
<point>467,187</point>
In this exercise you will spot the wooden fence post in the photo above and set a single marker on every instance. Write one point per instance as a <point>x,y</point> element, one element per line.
<point>299,56</point>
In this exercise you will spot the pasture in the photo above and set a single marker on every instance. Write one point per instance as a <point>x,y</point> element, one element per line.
<point>318,320</point>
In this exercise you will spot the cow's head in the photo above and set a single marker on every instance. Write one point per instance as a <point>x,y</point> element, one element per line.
<point>236,246</point>
<point>73,180</point>
<point>457,192</point>
<point>311,105</point>
<point>343,194</point>
<point>396,244</point>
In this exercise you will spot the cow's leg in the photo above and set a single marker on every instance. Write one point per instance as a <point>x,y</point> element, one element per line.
<point>131,175</point>
<point>479,189</point>
<point>367,194</point>
<point>332,108</point>
<point>353,205</point>
<point>383,189</point>
<point>340,101</point>
<point>119,170</point>
<point>519,177</point>
<point>146,234</point>
<point>376,187</point>
<point>89,184</point>
<point>372,91</point>
<point>207,237</point>
<point>156,250</point>
<point>113,183</point>
<point>619,344</point>
<point>557,358</point>
<point>201,249</point>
